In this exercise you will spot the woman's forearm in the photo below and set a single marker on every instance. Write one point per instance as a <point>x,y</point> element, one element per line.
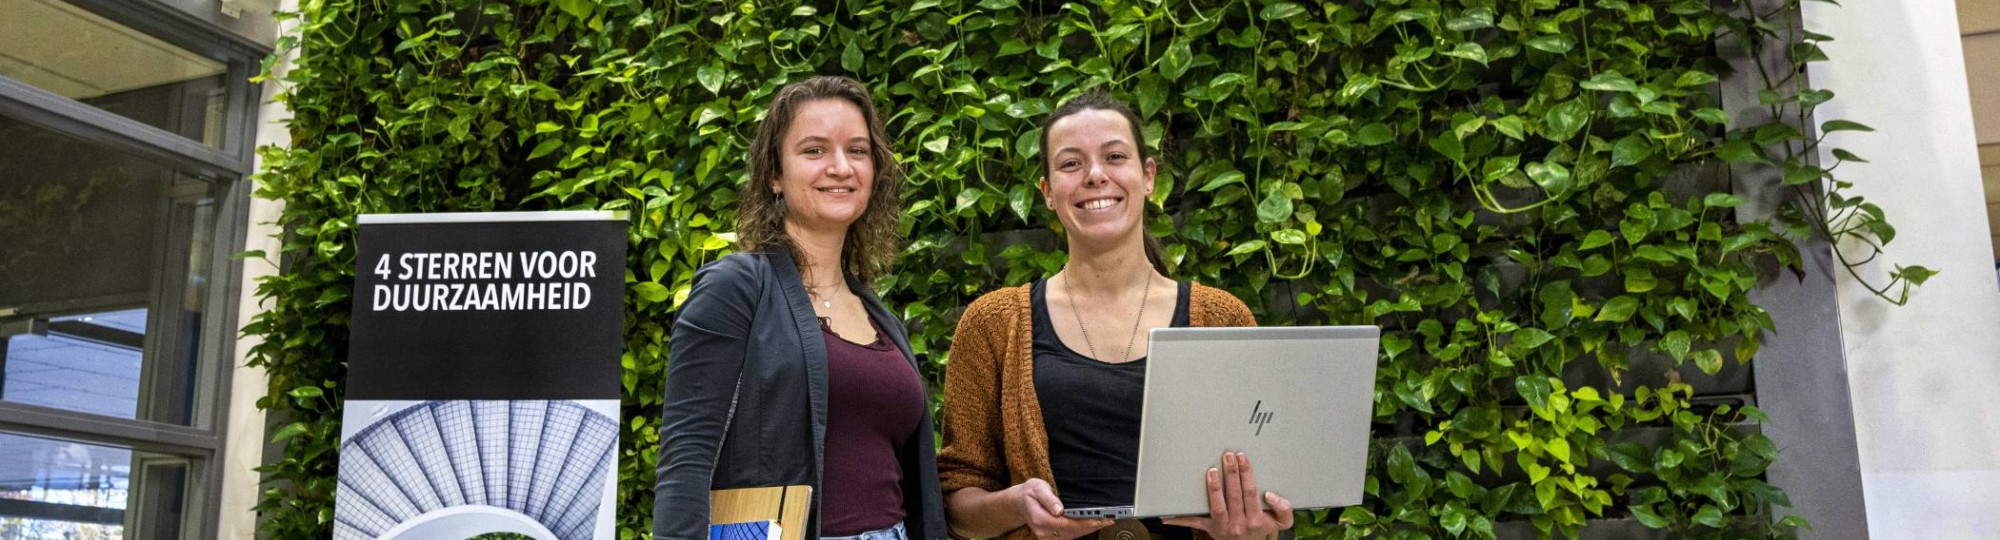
<point>978,513</point>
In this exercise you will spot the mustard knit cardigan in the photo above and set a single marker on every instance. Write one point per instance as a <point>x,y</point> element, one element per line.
<point>993,434</point>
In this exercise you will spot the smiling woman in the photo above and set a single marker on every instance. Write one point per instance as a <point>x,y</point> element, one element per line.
<point>835,404</point>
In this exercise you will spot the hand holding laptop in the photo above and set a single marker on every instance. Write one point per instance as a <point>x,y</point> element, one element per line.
<point>1044,513</point>
<point>1234,512</point>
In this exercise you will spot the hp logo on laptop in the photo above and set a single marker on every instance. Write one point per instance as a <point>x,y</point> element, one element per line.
<point>1260,417</point>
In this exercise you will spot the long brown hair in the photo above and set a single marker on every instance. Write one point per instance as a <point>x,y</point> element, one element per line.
<point>1098,99</point>
<point>871,244</point>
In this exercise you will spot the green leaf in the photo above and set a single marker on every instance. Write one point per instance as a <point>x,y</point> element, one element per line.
<point>1740,151</point>
<point>1553,177</point>
<point>850,57</point>
<point>1499,167</point>
<point>1709,360</point>
<point>1916,275</point>
<point>1226,178</point>
<point>1448,146</point>
<point>1695,78</point>
<point>1676,344</point>
<point>1709,515</point>
<point>1646,516</point>
<point>1843,125</point>
<point>1721,200</point>
<point>1510,126</point>
<point>1530,338</point>
<point>1609,81</point>
<point>1844,155</point>
<point>1469,51</point>
<point>651,291</point>
<point>1565,120</point>
<point>290,431</point>
<point>1247,247</point>
<point>1289,236</point>
<point>1535,389</point>
<point>1595,239</point>
<point>1631,150</point>
<point>1552,44</point>
<point>1177,61</point>
<point>545,148</point>
<point>1275,208</point>
<point>1281,11</point>
<point>1375,134</point>
<point>1618,310</point>
<point>1640,280</point>
<point>307,392</point>
<point>710,77</point>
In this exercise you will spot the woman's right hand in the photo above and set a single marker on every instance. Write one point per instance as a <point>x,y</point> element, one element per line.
<point>1043,512</point>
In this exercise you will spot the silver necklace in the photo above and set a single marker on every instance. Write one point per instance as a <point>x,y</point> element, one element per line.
<point>1145,295</point>
<point>826,302</point>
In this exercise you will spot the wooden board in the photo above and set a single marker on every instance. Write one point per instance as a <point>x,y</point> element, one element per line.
<point>787,505</point>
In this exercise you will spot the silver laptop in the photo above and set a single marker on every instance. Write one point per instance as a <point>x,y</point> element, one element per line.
<point>1296,400</point>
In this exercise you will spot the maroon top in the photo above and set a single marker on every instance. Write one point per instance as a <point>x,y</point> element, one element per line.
<point>874,402</point>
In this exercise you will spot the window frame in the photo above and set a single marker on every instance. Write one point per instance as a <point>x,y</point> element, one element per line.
<point>226,170</point>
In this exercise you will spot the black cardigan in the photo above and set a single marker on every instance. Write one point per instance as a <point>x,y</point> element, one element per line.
<point>748,319</point>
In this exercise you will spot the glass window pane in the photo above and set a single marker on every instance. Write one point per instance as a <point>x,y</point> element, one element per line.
<point>57,489</point>
<point>104,281</point>
<point>77,54</point>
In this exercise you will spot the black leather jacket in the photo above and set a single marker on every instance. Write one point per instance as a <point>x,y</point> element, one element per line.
<point>748,314</point>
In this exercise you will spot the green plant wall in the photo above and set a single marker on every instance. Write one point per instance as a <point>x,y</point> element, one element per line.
<point>1519,192</point>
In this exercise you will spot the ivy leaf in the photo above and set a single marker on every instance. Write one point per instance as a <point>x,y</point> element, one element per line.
<point>576,8</point>
<point>1289,236</point>
<point>307,392</point>
<point>1695,78</point>
<point>1618,310</point>
<point>1498,167</point>
<point>1510,126</point>
<point>1640,280</point>
<point>1553,177</point>
<point>1595,239</point>
<point>850,57</point>
<point>545,148</point>
<point>1245,248</point>
<point>1275,208</point>
<point>1535,389</point>
<point>292,430</point>
<point>1721,200</point>
<point>1020,200</point>
<point>1844,155</point>
<point>1281,11</point>
<point>1630,150</point>
<point>1843,125</point>
<point>1356,85</point>
<point>651,291</point>
<point>1179,57</point>
<point>1565,120</point>
<point>1916,275</point>
<point>1741,151</point>
<point>1801,174</point>
<point>710,77</point>
<point>1552,44</point>
<point>1676,344</point>
<point>1473,18</point>
<point>1375,134</point>
<point>1646,516</point>
<point>1610,81</point>
<point>1712,115</point>
<point>939,144</point>
<point>1469,51</point>
<point>1709,515</point>
<point>1811,98</point>
<point>1709,360</point>
<point>1226,178</point>
<point>1530,338</point>
<point>1448,146</point>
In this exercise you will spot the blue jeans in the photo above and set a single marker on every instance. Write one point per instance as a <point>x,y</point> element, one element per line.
<point>891,533</point>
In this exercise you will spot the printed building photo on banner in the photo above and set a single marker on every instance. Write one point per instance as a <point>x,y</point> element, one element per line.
<point>483,377</point>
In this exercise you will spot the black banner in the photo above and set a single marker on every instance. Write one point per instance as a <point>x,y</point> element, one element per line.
<point>511,309</point>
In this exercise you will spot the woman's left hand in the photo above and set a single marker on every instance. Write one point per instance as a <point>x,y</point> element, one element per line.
<point>1233,511</point>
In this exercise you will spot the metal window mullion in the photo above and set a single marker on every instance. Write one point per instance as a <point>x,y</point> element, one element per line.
<point>42,108</point>
<point>85,427</point>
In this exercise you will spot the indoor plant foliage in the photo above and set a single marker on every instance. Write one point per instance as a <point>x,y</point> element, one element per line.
<point>1519,192</point>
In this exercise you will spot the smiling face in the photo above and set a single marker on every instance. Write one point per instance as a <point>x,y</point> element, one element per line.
<point>827,166</point>
<point>1097,182</point>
